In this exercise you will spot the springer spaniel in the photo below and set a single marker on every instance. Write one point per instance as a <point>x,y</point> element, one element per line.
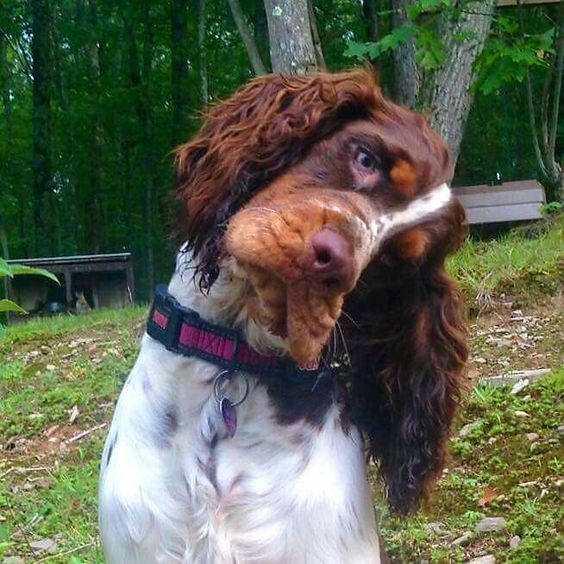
<point>310,316</point>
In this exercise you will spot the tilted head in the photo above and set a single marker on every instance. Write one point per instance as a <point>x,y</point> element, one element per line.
<point>331,198</point>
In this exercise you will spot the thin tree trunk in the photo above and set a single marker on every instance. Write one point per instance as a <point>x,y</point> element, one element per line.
<point>4,249</point>
<point>450,96</point>
<point>41,121</point>
<point>179,68</point>
<point>316,38</point>
<point>291,42</point>
<point>5,86</point>
<point>407,77</point>
<point>260,27</point>
<point>96,166</point>
<point>370,13</point>
<point>204,95</point>
<point>149,143</point>
<point>247,37</point>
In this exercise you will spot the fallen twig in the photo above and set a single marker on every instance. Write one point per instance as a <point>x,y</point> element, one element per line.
<point>66,552</point>
<point>83,434</point>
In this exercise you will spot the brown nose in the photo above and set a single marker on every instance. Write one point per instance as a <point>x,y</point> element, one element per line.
<point>332,260</point>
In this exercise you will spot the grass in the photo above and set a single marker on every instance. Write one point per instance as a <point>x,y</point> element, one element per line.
<point>495,471</point>
<point>518,264</point>
<point>47,486</point>
<point>61,376</point>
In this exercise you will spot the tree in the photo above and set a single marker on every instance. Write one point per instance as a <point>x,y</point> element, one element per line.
<point>179,66</point>
<point>526,50</point>
<point>41,120</point>
<point>247,37</point>
<point>551,170</point>
<point>434,47</point>
<point>292,49</point>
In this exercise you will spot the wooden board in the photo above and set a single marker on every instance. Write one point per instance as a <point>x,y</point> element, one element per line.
<point>512,201</point>
<point>502,3</point>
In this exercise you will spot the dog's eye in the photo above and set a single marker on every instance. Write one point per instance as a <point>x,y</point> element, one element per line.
<point>366,160</point>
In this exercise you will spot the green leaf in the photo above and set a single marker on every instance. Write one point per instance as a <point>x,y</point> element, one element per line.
<point>388,43</point>
<point>19,269</point>
<point>2,331</point>
<point>9,305</point>
<point>5,269</point>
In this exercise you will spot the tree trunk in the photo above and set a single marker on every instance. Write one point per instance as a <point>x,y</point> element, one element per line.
<point>370,13</point>
<point>449,96</point>
<point>41,122</point>
<point>316,38</point>
<point>5,86</point>
<point>149,144</point>
<point>247,37</point>
<point>204,95</point>
<point>4,249</point>
<point>179,68</point>
<point>291,42</point>
<point>407,78</point>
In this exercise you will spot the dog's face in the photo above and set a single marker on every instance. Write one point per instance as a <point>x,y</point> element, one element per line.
<point>327,198</point>
<point>305,238</point>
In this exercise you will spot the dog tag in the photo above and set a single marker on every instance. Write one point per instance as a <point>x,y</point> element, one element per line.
<point>229,414</point>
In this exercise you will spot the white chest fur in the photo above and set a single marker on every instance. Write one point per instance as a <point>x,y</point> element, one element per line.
<point>175,488</point>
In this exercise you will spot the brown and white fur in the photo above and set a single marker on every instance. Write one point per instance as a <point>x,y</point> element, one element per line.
<point>283,160</point>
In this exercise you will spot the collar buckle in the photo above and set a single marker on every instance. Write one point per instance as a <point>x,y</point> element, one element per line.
<point>165,319</point>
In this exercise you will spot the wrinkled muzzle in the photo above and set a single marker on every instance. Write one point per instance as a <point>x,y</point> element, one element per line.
<point>301,260</point>
<point>304,253</point>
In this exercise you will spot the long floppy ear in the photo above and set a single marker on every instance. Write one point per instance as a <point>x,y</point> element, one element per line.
<point>408,358</point>
<point>251,138</point>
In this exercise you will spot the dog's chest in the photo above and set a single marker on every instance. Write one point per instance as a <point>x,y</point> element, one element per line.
<point>188,492</point>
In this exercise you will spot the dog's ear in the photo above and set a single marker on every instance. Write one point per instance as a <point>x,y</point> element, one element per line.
<point>250,139</point>
<point>408,359</point>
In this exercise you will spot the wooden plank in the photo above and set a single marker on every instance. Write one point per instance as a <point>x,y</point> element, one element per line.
<point>503,3</point>
<point>501,197</point>
<point>499,214</point>
<point>517,185</point>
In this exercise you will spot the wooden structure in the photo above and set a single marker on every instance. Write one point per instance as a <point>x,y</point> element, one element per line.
<point>106,281</point>
<point>511,201</point>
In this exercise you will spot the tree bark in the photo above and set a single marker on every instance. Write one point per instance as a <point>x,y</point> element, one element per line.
<point>179,68</point>
<point>292,50</point>
<point>449,95</point>
<point>407,77</point>
<point>149,144</point>
<point>5,86</point>
<point>4,248</point>
<point>41,121</point>
<point>370,13</point>
<point>204,95</point>
<point>247,37</point>
<point>316,38</point>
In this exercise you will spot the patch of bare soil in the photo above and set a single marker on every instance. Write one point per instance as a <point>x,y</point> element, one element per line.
<point>509,338</point>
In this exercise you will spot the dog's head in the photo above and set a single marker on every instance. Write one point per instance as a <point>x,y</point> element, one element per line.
<point>326,195</point>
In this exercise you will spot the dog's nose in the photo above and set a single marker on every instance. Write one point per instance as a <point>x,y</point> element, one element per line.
<point>332,260</point>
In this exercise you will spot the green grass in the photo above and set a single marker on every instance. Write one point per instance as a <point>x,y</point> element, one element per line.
<point>496,456</point>
<point>517,264</point>
<point>49,366</point>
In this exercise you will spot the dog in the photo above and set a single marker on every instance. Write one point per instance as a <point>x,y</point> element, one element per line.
<point>309,321</point>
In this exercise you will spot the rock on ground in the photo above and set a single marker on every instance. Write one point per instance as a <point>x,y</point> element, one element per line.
<point>491,525</point>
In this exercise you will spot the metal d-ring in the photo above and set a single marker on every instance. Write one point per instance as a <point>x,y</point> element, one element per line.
<point>222,377</point>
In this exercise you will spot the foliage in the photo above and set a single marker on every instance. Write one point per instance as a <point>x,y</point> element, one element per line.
<point>509,54</point>
<point>11,270</point>
<point>552,208</point>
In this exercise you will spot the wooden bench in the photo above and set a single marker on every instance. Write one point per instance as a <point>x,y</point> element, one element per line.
<point>511,201</point>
